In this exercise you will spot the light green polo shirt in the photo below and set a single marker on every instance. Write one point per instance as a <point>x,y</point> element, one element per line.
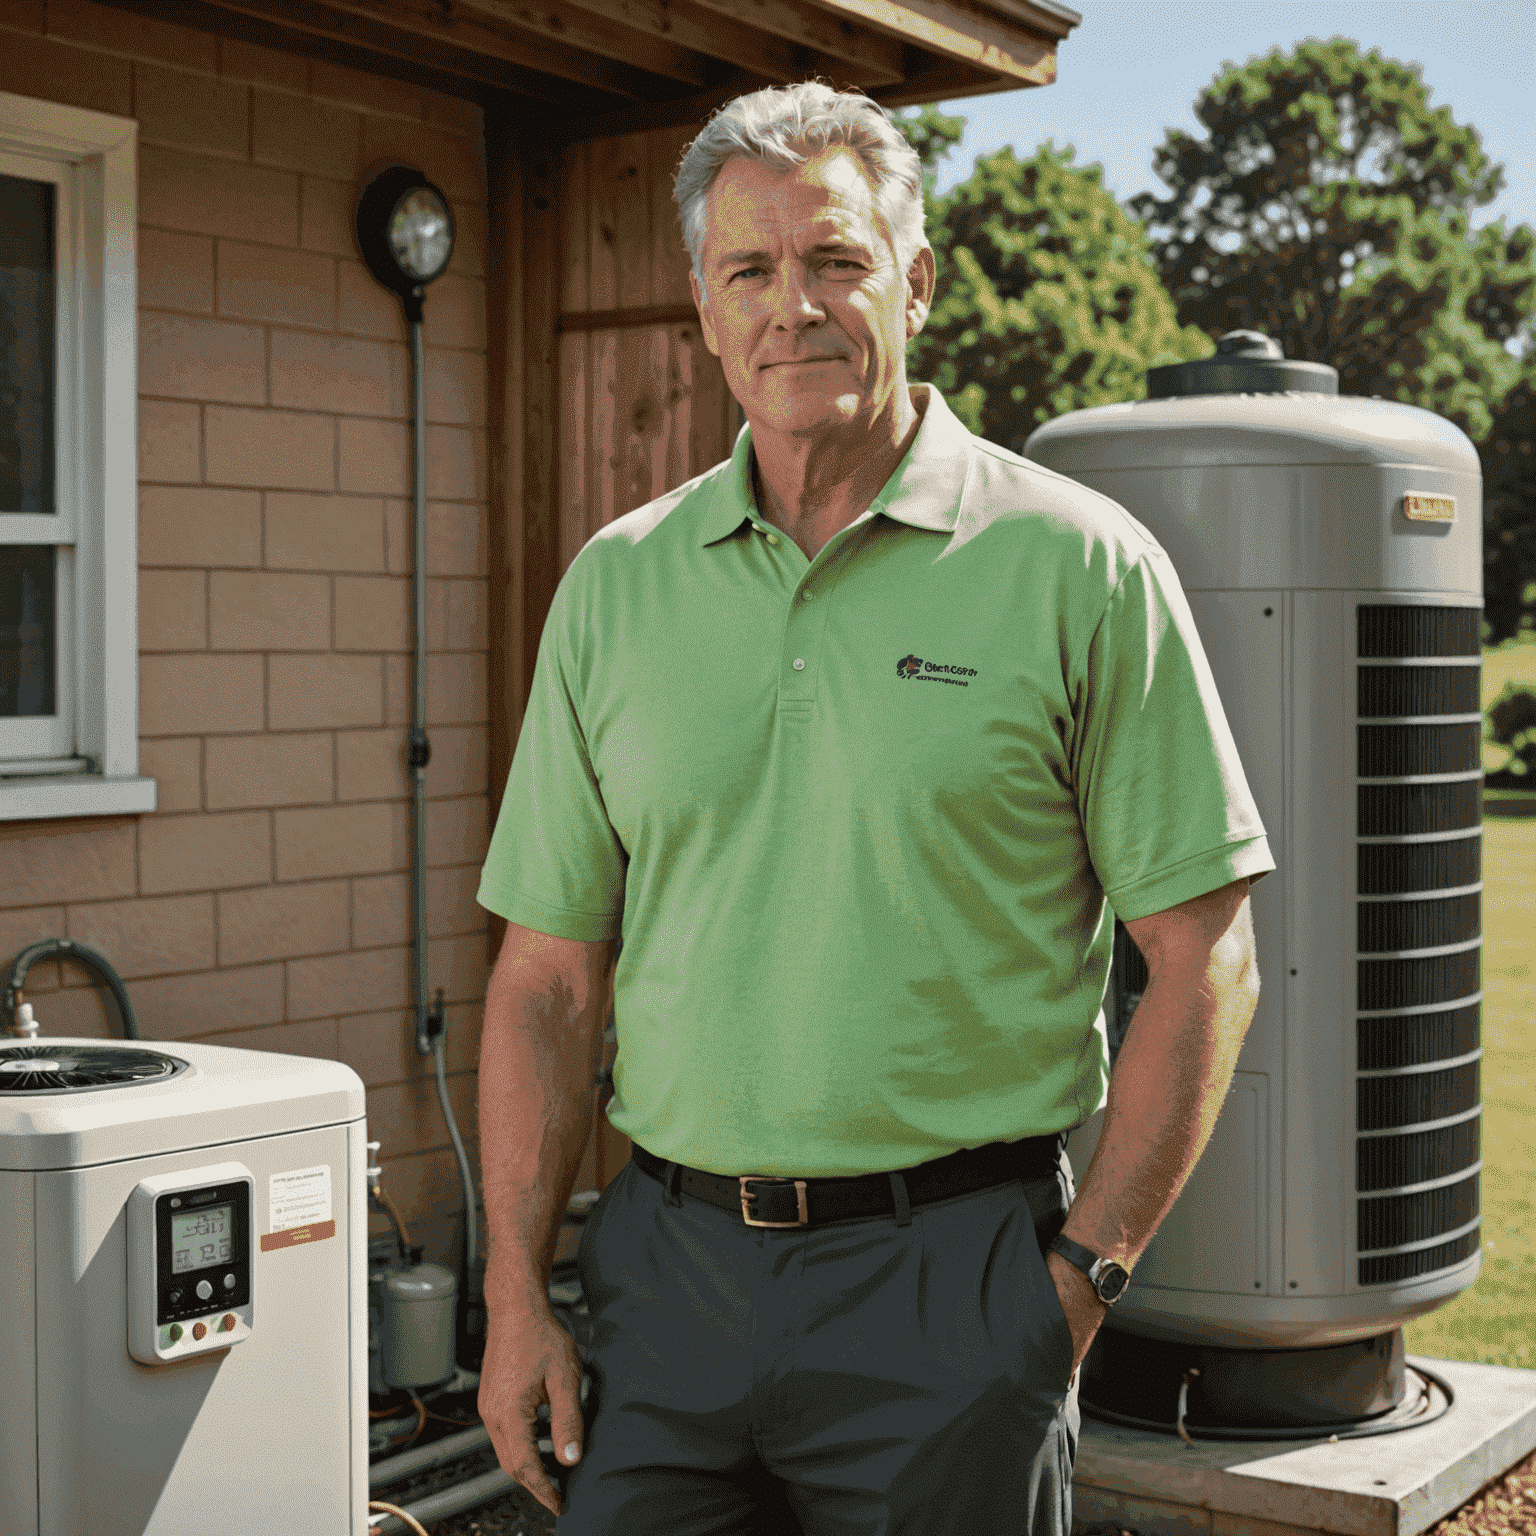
<point>856,818</point>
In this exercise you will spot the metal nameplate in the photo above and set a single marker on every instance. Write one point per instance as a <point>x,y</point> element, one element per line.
<point>1429,509</point>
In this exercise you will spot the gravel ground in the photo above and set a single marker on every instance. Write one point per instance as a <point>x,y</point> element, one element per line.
<point>1504,1508</point>
<point>1508,1505</point>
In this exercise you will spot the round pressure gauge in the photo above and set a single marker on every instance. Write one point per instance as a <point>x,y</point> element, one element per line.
<point>421,233</point>
<point>405,231</point>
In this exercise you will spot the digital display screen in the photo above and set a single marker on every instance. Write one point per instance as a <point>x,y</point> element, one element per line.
<point>203,1237</point>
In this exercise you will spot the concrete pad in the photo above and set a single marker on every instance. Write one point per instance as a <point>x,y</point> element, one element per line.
<point>1382,1485</point>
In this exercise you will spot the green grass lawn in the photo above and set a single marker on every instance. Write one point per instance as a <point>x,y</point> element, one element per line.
<point>1495,1321</point>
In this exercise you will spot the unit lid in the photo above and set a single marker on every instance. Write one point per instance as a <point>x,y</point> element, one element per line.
<point>1245,431</point>
<point>218,1094</point>
<point>1246,363</point>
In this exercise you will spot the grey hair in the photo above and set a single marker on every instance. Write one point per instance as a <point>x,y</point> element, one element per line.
<point>784,126</point>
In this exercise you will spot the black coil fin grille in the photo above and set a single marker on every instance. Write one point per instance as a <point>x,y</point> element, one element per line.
<point>1394,869</point>
<point>1392,1220</point>
<point>1407,629</point>
<point>1447,1027</point>
<point>1414,1039</point>
<point>1422,1261</point>
<point>1413,1098</point>
<point>1419,691</point>
<point>1396,810</point>
<point>1393,925</point>
<point>1395,751</point>
<point>1390,1162</point>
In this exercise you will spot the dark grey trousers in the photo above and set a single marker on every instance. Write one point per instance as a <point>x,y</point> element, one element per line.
<point>858,1378</point>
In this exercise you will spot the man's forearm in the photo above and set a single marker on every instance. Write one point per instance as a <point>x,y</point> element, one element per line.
<point>1169,1082</point>
<point>538,1057</point>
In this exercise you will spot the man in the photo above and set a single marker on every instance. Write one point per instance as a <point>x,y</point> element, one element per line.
<point>850,739</point>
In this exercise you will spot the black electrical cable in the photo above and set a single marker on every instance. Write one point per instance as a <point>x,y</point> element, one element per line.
<point>1424,1410</point>
<point>70,949</point>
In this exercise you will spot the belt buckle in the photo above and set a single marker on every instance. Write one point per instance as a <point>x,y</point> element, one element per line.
<point>755,1178</point>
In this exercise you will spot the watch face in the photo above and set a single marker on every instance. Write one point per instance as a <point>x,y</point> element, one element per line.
<point>1112,1282</point>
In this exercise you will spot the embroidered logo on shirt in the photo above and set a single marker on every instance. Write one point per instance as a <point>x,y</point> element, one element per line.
<point>934,672</point>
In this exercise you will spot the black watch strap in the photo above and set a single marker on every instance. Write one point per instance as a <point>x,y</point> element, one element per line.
<point>1107,1278</point>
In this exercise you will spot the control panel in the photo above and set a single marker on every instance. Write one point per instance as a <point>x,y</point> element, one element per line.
<point>190,1237</point>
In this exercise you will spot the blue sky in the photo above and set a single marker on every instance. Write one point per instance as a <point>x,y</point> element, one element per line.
<point>1134,67</point>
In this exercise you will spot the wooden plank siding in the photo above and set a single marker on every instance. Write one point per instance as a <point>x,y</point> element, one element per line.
<point>621,400</point>
<point>643,404</point>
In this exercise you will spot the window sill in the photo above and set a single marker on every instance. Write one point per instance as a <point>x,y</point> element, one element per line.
<point>74,794</point>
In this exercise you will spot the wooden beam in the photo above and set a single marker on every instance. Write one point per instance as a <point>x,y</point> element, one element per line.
<point>518,61</point>
<point>571,129</point>
<point>956,30</point>
<point>677,57</point>
<point>943,80</point>
<point>1044,20</point>
<point>861,54</point>
<point>699,26</point>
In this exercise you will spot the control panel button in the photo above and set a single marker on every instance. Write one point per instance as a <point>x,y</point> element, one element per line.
<point>199,1330</point>
<point>227,1322</point>
<point>174,1298</point>
<point>229,1282</point>
<point>204,1290</point>
<point>175,1333</point>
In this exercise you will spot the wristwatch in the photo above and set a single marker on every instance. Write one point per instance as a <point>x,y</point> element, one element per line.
<point>1107,1278</point>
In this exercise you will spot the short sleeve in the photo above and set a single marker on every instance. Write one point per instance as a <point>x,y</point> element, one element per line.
<point>1165,805</point>
<point>555,863</point>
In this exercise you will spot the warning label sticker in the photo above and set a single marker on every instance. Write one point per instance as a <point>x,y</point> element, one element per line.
<point>301,1198</point>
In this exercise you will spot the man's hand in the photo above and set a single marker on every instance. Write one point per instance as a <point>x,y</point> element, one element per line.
<point>530,1359</point>
<point>1079,1301</point>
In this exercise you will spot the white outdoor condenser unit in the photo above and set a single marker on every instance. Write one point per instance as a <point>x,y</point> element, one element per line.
<point>183,1271</point>
<point>1331,551</point>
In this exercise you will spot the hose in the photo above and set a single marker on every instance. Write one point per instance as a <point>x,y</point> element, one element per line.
<point>471,1209</point>
<point>383,1203</point>
<point>70,949</point>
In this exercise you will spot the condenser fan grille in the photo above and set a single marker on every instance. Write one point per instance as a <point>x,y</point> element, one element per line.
<point>42,1068</point>
<point>1418,940</point>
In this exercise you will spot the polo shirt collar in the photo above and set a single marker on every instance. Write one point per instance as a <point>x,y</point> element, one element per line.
<point>924,491</point>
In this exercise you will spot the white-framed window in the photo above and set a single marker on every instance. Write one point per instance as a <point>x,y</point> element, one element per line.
<point>69,743</point>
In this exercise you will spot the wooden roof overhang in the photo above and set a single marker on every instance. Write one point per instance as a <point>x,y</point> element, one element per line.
<point>598,67</point>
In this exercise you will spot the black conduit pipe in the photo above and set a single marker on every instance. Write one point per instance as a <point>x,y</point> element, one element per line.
<point>69,949</point>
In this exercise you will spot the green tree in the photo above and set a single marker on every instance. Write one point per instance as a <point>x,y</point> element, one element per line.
<point>1330,207</point>
<point>1508,455</point>
<point>1047,300</point>
<point>932,134</point>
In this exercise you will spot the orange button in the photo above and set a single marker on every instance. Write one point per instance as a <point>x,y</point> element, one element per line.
<point>199,1330</point>
<point>227,1322</point>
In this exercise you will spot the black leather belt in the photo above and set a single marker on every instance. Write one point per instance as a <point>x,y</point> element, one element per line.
<point>770,1201</point>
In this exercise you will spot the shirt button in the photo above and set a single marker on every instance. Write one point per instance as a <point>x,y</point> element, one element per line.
<point>773,538</point>
<point>807,595</point>
<point>799,664</point>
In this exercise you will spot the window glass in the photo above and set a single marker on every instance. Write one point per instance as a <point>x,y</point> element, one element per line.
<point>27,360</point>
<point>29,630</point>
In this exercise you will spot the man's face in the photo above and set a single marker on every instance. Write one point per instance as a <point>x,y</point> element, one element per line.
<point>806,309</point>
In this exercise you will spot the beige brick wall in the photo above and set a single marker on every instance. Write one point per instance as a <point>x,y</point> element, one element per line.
<point>265,903</point>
